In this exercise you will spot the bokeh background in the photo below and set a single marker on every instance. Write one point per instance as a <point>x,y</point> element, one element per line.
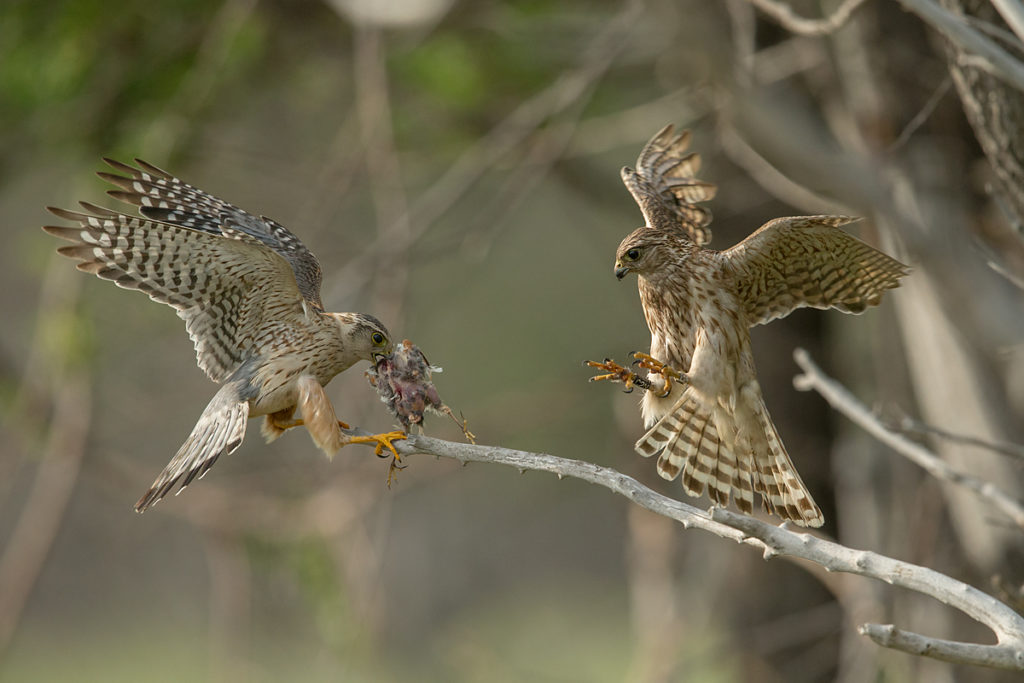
<point>454,165</point>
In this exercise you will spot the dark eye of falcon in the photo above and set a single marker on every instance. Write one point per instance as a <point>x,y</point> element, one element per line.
<point>633,254</point>
<point>378,338</point>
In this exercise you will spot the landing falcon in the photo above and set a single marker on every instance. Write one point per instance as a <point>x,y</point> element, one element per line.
<point>249,293</point>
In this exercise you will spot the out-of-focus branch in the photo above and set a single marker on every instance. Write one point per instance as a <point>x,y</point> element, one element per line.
<point>772,179</point>
<point>997,61</point>
<point>909,425</point>
<point>793,22</point>
<point>506,136</point>
<point>1013,14</point>
<point>167,132</point>
<point>373,103</point>
<point>919,119</point>
<point>774,541</point>
<point>814,379</point>
<point>43,511</point>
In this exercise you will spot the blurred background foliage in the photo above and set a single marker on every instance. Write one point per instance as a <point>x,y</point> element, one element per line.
<point>454,165</point>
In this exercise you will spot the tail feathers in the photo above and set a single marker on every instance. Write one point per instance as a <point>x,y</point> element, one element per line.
<point>787,495</point>
<point>691,446</point>
<point>690,440</point>
<point>220,430</point>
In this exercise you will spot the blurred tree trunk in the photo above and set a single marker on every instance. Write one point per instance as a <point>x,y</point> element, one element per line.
<point>994,109</point>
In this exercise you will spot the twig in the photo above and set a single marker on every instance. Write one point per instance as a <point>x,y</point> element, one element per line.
<point>772,179</point>
<point>909,425</point>
<point>921,116</point>
<point>1000,63</point>
<point>814,379</point>
<point>794,23</point>
<point>506,136</point>
<point>773,541</point>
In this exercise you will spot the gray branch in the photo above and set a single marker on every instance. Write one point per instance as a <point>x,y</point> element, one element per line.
<point>791,21</point>
<point>774,541</point>
<point>954,27</point>
<point>814,379</point>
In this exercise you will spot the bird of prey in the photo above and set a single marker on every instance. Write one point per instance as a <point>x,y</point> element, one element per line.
<point>711,425</point>
<point>249,292</point>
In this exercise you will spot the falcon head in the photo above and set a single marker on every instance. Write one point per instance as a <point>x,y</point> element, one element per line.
<point>644,251</point>
<point>365,336</point>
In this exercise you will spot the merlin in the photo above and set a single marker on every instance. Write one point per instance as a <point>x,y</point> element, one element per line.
<point>703,406</point>
<point>249,293</point>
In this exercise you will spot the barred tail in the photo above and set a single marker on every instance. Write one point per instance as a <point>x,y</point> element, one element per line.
<point>782,488</point>
<point>704,447</point>
<point>689,442</point>
<point>220,430</point>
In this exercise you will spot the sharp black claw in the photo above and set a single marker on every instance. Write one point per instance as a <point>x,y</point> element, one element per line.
<point>628,391</point>
<point>665,395</point>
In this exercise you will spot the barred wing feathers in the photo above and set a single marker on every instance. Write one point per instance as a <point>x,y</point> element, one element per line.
<point>791,263</point>
<point>665,186</point>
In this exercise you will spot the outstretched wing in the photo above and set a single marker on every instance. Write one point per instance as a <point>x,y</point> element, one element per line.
<point>163,197</point>
<point>790,263</point>
<point>231,289</point>
<point>664,185</point>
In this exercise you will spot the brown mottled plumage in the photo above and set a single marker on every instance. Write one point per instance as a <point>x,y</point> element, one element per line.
<point>712,429</point>
<point>249,292</point>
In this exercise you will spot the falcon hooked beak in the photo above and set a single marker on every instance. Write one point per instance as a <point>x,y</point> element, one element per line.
<point>620,270</point>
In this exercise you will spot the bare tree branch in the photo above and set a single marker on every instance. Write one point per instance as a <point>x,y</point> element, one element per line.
<point>998,61</point>
<point>774,541</point>
<point>909,425</point>
<point>506,136</point>
<point>814,379</point>
<point>794,23</point>
<point>43,512</point>
<point>772,179</point>
<point>919,119</point>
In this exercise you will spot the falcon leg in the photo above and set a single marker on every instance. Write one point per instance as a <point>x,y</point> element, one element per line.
<point>616,373</point>
<point>277,423</point>
<point>668,373</point>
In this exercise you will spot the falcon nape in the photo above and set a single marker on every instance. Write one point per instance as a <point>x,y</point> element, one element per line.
<point>249,292</point>
<point>710,424</point>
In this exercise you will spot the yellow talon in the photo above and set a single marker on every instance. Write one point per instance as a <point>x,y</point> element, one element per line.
<point>655,366</point>
<point>382,441</point>
<point>393,468</point>
<point>614,372</point>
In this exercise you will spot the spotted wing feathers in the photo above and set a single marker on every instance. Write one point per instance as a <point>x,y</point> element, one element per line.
<point>163,197</point>
<point>226,290</point>
<point>665,186</point>
<point>791,263</point>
